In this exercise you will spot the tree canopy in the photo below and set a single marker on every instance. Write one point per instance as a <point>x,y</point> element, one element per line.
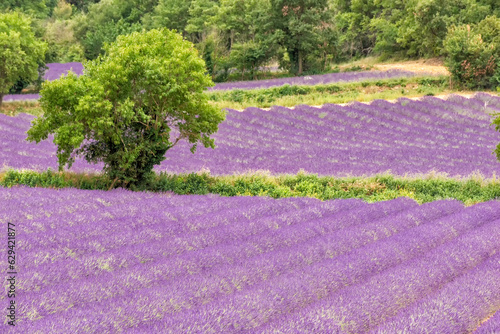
<point>304,36</point>
<point>297,23</point>
<point>21,52</point>
<point>130,106</point>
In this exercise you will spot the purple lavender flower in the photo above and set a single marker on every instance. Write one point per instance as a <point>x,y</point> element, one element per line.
<point>118,261</point>
<point>405,138</point>
<point>319,79</point>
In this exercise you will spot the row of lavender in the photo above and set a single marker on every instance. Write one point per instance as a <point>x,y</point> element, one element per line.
<point>319,79</point>
<point>93,261</point>
<point>56,69</point>
<point>451,136</point>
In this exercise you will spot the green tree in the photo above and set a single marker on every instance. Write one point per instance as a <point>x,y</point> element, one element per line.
<point>489,29</point>
<point>82,5</point>
<point>249,56</point>
<point>37,8</point>
<point>424,25</point>
<point>107,32</point>
<point>244,20</point>
<point>297,24</point>
<point>59,35</point>
<point>171,14</point>
<point>247,25</point>
<point>123,110</point>
<point>470,60</point>
<point>20,52</point>
<point>108,19</point>
<point>62,11</point>
<point>201,16</point>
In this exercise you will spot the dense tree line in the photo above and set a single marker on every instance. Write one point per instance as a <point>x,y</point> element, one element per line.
<point>304,36</point>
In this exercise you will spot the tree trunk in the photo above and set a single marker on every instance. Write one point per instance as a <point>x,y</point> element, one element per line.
<point>300,62</point>
<point>1,100</point>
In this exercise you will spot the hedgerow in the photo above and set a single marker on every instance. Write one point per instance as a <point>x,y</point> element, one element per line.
<point>377,188</point>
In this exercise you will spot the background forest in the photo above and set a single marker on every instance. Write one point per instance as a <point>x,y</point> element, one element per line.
<point>302,36</point>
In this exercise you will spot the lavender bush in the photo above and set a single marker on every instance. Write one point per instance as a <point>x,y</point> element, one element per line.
<point>95,261</point>
<point>408,137</point>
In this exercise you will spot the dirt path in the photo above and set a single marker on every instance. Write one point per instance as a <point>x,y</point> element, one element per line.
<point>432,66</point>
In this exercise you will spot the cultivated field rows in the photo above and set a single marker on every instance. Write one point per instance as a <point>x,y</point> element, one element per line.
<point>318,79</point>
<point>122,261</point>
<point>452,136</point>
<point>55,70</point>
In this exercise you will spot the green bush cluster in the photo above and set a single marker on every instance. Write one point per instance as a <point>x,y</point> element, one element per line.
<point>47,179</point>
<point>377,188</point>
<point>474,54</point>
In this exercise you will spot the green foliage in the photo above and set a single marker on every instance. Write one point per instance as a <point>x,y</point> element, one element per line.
<point>62,44</point>
<point>123,109</point>
<point>36,8</point>
<point>201,15</point>
<point>47,179</point>
<point>18,87</point>
<point>62,11</point>
<point>410,28</point>
<point>305,36</point>
<point>82,5</point>
<point>108,19</point>
<point>298,26</point>
<point>377,188</point>
<point>171,14</point>
<point>20,52</point>
<point>96,38</point>
<point>183,184</point>
<point>471,59</point>
<point>269,95</point>
<point>247,26</point>
<point>249,56</point>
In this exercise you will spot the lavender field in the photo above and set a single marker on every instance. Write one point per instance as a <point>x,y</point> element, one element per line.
<point>319,79</point>
<point>56,69</point>
<point>94,261</point>
<point>452,136</point>
<point>53,72</point>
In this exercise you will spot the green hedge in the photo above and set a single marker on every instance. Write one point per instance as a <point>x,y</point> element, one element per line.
<point>377,188</point>
<point>272,94</point>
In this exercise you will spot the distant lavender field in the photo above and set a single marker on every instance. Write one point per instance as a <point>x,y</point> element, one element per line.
<point>406,137</point>
<point>106,262</point>
<point>319,79</point>
<point>54,72</point>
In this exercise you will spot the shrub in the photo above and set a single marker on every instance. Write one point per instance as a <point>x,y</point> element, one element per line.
<point>472,58</point>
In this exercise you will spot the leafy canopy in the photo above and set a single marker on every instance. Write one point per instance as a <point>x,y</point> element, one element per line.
<point>473,53</point>
<point>20,51</point>
<point>298,25</point>
<point>126,107</point>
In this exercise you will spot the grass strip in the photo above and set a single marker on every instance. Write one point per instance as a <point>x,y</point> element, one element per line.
<point>428,188</point>
<point>330,93</point>
<point>13,108</point>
